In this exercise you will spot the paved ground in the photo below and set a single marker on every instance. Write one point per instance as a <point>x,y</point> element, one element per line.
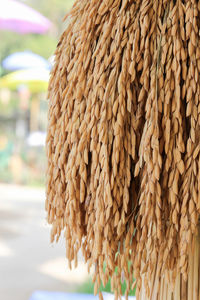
<point>27,260</point>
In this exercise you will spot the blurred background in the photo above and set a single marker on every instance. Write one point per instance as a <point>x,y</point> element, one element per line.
<point>30,267</point>
<point>29,33</point>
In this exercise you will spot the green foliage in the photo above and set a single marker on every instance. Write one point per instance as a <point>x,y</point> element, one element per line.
<point>43,45</point>
<point>55,10</point>
<point>88,288</point>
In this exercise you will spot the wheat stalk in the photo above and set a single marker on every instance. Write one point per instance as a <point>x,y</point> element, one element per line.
<point>123,142</point>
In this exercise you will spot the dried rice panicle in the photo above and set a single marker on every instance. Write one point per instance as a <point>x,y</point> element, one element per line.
<point>123,139</point>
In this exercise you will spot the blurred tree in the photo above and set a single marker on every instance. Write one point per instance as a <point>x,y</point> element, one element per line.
<point>55,10</point>
<point>43,45</point>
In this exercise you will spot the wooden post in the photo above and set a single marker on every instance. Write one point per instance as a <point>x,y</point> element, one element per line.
<point>35,109</point>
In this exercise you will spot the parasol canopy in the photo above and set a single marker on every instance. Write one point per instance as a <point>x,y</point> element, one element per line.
<point>24,60</point>
<point>35,79</point>
<point>18,17</point>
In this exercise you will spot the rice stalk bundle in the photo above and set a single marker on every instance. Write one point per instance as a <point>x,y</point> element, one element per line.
<point>123,140</point>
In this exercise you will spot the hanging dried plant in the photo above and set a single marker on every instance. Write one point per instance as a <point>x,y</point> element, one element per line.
<point>123,142</point>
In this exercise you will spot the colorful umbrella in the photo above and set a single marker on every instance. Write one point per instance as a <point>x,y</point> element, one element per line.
<point>18,17</point>
<point>35,79</point>
<point>24,60</point>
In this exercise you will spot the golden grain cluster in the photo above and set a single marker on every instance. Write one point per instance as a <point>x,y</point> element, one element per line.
<point>123,142</point>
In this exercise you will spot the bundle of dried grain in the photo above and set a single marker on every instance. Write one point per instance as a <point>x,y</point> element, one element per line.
<point>123,140</point>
